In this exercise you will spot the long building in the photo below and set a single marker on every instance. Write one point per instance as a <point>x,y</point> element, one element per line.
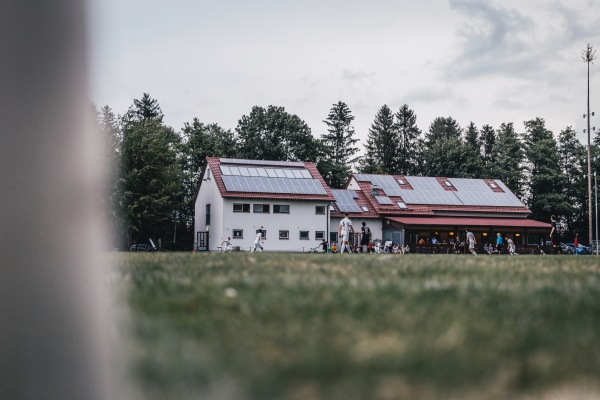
<point>297,210</point>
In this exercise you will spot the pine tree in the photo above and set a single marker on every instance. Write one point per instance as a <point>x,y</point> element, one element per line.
<point>442,128</point>
<point>572,160</point>
<point>380,150</point>
<point>472,136</point>
<point>488,140</point>
<point>340,150</point>
<point>546,179</point>
<point>151,179</point>
<point>508,165</point>
<point>408,158</point>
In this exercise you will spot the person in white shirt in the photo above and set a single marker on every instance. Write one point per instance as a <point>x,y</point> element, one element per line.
<point>344,232</point>
<point>472,241</point>
<point>511,247</point>
<point>259,240</point>
<point>225,245</point>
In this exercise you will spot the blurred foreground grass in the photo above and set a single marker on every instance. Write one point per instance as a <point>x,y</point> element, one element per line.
<point>313,326</point>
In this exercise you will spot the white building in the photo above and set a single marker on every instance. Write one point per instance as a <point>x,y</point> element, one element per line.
<point>289,200</point>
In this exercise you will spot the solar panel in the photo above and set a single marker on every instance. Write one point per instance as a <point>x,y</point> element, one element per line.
<point>345,201</point>
<point>260,184</point>
<point>383,200</point>
<point>476,192</point>
<point>262,162</point>
<point>427,190</point>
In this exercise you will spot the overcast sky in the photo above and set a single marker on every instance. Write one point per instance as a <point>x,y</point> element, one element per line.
<point>483,61</point>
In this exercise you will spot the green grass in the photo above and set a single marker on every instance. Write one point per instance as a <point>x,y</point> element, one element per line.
<point>313,326</point>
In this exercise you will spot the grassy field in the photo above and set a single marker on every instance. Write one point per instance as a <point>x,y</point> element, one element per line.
<point>313,326</point>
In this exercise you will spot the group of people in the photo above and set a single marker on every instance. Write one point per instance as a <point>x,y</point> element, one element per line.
<point>258,242</point>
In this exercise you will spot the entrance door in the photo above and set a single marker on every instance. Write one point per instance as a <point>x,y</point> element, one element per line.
<point>202,241</point>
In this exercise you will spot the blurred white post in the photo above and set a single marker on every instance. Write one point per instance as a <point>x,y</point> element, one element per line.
<point>52,308</point>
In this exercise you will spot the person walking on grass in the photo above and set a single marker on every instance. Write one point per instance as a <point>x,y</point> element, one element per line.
<point>344,232</point>
<point>472,242</point>
<point>511,247</point>
<point>225,245</point>
<point>259,240</point>
<point>555,236</point>
<point>499,243</point>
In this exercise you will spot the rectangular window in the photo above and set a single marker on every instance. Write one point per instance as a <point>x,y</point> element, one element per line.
<point>208,214</point>
<point>284,235</point>
<point>320,210</point>
<point>264,233</point>
<point>402,205</point>
<point>281,209</point>
<point>261,208</point>
<point>238,234</point>
<point>304,235</point>
<point>333,237</point>
<point>241,207</point>
<point>319,235</point>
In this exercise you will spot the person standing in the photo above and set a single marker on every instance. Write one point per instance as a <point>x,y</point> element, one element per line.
<point>471,240</point>
<point>365,236</point>
<point>499,243</point>
<point>511,247</point>
<point>554,236</point>
<point>344,232</point>
<point>259,240</point>
<point>576,243</point>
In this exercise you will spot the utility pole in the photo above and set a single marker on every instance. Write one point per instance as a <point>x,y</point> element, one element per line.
<point>589,55</point>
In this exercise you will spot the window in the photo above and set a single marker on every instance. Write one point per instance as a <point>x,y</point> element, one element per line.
<point>402,205</point>
<point>281,209</point>
<point>304,235</point>
<point>241,207</point>
<point>261,208</point>
<point>331,208</point>
<point>333,237</point>
<point>264,234</point>
<point>493,185</point>
<point>208,214</point>
<point>320,210</point>
<point>447,183</point>
<point>401,181</point>
<point>238,234</point>
<point>284,235</point>
<point>319,235</point>
<point>365,208</point>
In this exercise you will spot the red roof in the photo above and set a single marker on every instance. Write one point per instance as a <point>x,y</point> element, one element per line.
<point>214,162</point>
<point>471,222</point>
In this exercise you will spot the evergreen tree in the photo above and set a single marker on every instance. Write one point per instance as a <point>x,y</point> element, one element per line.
<point>273,134</point>
<point>409,142</point>
<point>442,128</point>
<point>472,136</point>
<point>107,125</point>
<point>508,165</point>
<point>451,157</point>
<point>572,160</point>
<point>546,179</point>
<point>488,140</point>
<point>380,150</point>
<point>151,179</point>
<point>340,150</point>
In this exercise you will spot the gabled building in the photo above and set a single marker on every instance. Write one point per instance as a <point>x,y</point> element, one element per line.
<point>406,209</point>
<point>289,200</point>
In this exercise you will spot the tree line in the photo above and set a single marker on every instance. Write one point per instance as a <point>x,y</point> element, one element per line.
<point>153,171</point>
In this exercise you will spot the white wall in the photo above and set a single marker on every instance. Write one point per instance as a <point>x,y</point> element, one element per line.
<point>209,194</point>
<point>302,217</point>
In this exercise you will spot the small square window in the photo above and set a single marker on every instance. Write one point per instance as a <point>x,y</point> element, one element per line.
<point>447,183</point>
<point>284,235</point>
<point>493,185</point>
<point>241,207</point>
<point>402,205</point>
<point>281,209</point>
<point>319,235</point>
<point>365,208</point>
<point>261,208</point>
<point>238,234</point>
<point>320,210</point>
<point>304,235</point>
<point>401,181</point>
<point>333,237</point>
<point>264,233</point>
